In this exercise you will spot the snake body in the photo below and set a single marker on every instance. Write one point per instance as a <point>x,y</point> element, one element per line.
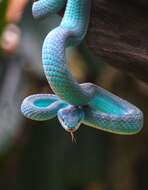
<point>75,103</point>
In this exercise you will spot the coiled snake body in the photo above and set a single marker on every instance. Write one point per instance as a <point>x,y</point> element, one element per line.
<point>75,103</point>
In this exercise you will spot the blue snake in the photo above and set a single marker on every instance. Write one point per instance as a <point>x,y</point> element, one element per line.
<point>73,103</point>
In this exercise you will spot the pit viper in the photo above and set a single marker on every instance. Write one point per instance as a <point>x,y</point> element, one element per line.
<point>73,103</point>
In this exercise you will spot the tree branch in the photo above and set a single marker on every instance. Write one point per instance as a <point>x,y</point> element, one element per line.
<point>118,33</point>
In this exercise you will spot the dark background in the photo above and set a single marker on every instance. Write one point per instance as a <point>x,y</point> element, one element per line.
<point>41,155</point>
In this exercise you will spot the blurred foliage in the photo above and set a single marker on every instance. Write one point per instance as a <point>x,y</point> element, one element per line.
<point>3,9</point>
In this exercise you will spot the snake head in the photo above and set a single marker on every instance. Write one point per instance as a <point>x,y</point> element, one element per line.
<point>70,117</point>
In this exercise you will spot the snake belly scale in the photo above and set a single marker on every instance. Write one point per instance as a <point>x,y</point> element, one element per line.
<point>75,103</point>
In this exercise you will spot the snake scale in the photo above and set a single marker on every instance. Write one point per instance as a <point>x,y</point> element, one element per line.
<point>75,103</point>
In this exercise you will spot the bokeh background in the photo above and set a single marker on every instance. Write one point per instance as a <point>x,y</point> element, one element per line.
<point>41,155</point>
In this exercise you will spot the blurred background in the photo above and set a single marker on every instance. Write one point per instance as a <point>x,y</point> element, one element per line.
<point>41,155</point>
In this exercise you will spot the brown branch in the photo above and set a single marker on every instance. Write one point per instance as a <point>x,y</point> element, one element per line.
<point>118,33</point>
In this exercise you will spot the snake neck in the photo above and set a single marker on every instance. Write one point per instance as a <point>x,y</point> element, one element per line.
<point>71,31</point>
<point>76,19</point>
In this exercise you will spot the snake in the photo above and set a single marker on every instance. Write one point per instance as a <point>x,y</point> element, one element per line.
<point>73,103</point>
